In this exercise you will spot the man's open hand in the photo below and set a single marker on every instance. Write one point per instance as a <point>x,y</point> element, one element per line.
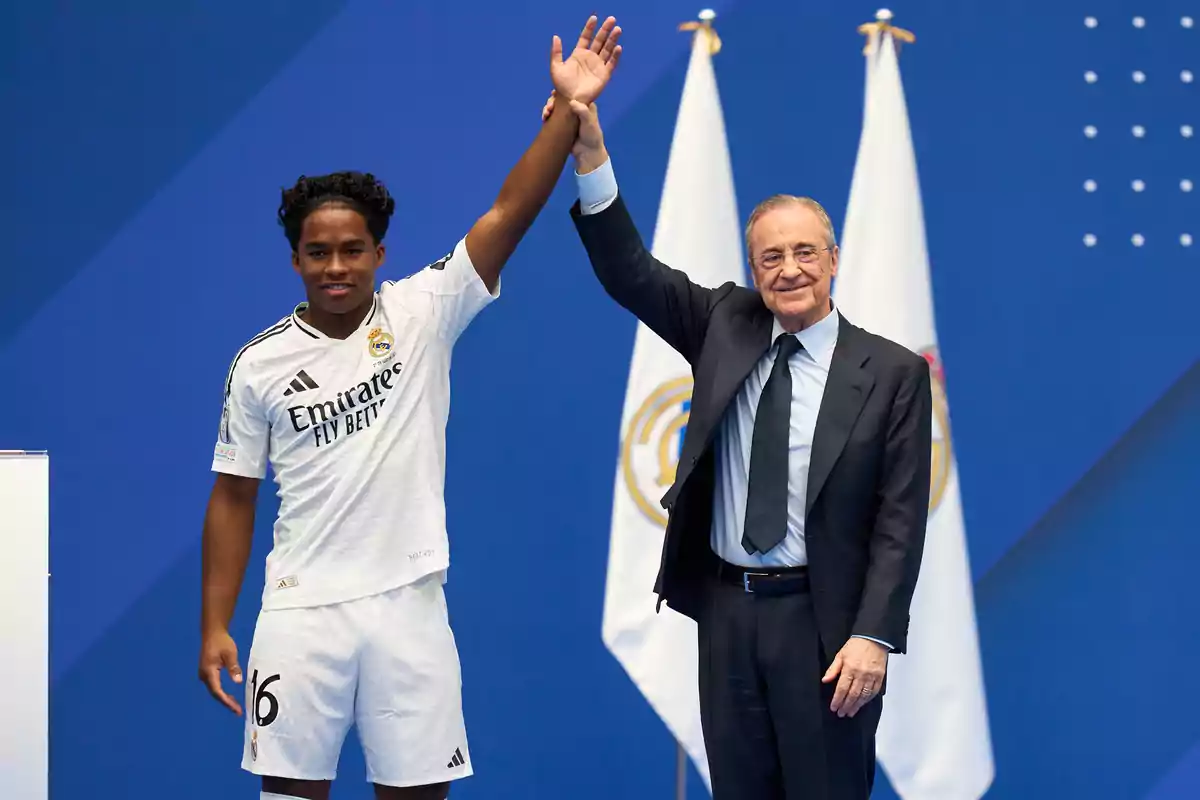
<point>862,665</point>
<point>585,73</point>
<point>217,651</point>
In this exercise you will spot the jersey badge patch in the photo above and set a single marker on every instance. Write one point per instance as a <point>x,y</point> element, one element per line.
<point>379,343</point>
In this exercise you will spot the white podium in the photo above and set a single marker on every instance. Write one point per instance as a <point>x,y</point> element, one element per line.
<point>24,624</point>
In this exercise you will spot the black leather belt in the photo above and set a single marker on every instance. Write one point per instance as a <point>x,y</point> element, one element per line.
<point>765,580</point>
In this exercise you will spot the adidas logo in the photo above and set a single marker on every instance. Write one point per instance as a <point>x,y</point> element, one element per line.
<point>457,761</point>
<point>300,383</point>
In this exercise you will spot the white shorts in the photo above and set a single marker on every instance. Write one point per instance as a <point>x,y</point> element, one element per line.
<point>386,663</point>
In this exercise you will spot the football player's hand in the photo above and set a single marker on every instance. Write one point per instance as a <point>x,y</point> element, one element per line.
<point>218,651</point>
<point>583,75</point>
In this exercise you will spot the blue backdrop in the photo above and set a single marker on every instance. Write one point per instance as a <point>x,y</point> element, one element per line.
<point>147,147</point>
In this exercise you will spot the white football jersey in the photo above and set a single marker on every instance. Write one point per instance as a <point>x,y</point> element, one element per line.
<point>355,432</point>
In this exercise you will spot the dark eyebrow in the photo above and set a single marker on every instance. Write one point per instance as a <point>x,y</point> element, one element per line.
<point>319,245</point>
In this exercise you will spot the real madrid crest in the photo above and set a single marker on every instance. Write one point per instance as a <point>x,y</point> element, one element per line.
<point>943,455</point>
<point>651,444</point>
<point>379,343</point>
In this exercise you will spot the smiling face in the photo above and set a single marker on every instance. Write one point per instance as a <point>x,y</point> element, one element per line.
<point>793,260</point>
<point>336,258</point>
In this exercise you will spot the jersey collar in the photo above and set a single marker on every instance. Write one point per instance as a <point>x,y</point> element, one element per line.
<point>316,334</point>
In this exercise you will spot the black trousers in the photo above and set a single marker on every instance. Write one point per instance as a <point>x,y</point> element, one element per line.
<point>765,714</point>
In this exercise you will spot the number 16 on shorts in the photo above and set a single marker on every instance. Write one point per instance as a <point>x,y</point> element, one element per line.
<point>261,705</point>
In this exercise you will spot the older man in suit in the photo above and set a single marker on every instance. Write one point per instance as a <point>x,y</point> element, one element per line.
<point>797,516</point>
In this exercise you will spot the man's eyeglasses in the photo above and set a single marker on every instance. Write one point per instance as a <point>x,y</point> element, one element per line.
<point>803,255</point>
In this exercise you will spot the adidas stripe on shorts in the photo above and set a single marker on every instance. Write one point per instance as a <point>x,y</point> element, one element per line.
<point>386,663</point>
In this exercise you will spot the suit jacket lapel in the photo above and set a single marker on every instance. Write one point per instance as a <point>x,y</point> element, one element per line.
<point>846,390</point>
<point>747,346</point>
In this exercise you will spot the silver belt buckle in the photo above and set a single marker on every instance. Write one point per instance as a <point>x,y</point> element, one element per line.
<point>746,580</point>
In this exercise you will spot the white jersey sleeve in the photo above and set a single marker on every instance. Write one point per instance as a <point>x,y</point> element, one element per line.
<point>243,440</point>
<point>448,293</point>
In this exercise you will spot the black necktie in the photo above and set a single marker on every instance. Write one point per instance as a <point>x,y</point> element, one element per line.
<point>767,496</point>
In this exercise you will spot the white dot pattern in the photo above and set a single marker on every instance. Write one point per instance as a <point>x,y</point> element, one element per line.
<point>1152,216</point>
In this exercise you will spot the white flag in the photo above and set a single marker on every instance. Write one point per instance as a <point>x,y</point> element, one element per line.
<point>698,232</point>
<point>933,740</point>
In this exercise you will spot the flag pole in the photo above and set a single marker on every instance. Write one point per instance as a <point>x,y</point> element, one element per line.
<point>680,772</point>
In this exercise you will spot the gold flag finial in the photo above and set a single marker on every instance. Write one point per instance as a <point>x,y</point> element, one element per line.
<point>883,24</point>
<point>705,24</point>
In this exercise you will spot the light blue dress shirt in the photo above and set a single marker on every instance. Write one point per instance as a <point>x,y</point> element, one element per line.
<point>810,370</point>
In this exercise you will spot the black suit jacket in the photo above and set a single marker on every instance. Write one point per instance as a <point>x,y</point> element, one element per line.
<point>868,483</point>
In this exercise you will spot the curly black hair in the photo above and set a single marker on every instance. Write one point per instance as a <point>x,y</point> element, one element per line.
<point>361,191</point>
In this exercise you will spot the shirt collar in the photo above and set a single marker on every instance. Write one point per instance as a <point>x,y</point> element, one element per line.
<point>818,339</point>
<point>316,334</point>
